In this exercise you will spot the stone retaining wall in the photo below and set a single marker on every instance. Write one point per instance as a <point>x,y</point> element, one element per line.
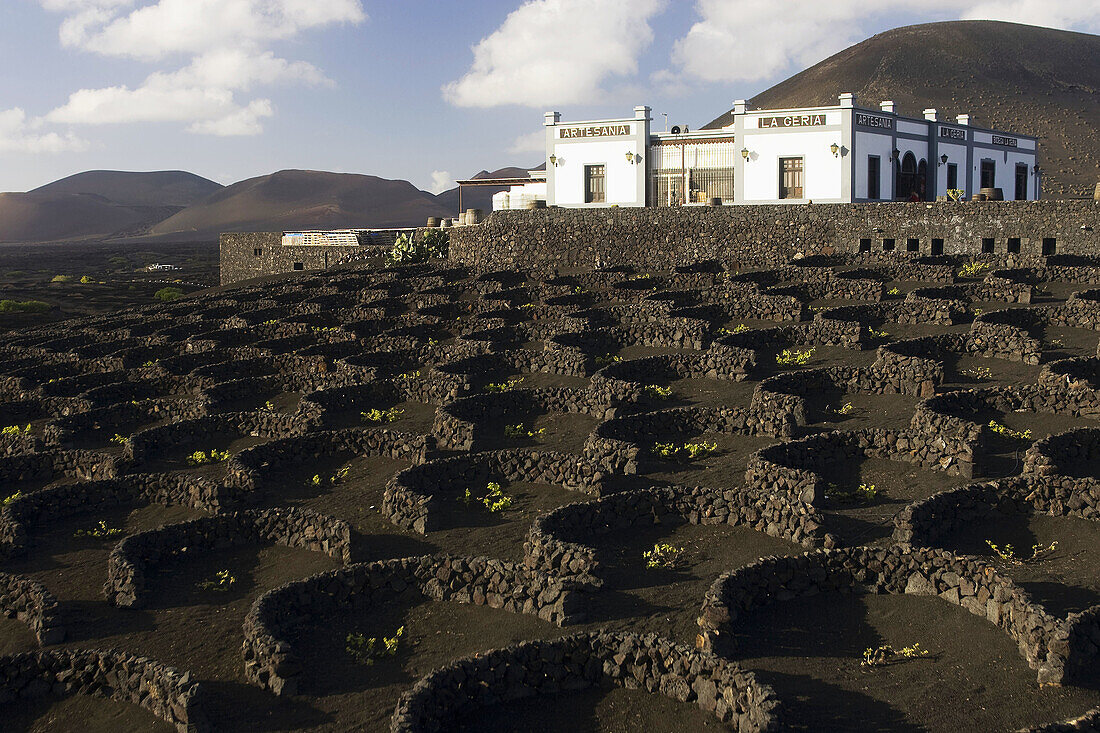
<point>128,562</point>
<point>162,690</point>
<point>271,662</point>
<point>633,661</point>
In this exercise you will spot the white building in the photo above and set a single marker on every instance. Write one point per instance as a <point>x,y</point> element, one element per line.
<point>838,154</point>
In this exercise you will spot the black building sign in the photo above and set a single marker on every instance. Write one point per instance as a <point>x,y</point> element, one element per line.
<point>952,133</point>
<point>567,133</point>
<point>792,121</point>
<point>1008,142</point>
<point>886,123</point>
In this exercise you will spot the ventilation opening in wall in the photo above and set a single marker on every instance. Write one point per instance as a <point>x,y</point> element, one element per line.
<point>912,245</point>
<point>299,266</point>
<point>987,245</point>
<point>937,247</point>
<point>865,245</point>
<point>887,245</point>
<point>1050,246</point>
<point>258,251</point>
<point>1014,245</point>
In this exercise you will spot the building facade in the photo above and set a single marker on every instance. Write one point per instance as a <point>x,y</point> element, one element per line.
<point>838,154</point>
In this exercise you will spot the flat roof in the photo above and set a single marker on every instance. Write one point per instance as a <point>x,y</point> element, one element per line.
<point>500,181</point>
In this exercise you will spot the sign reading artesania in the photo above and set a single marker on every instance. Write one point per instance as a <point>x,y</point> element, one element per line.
<point>874,121</point>
<point>1008,142</point>
<point>952,133</point>
<point>567,133</point>
<point>793,121</point>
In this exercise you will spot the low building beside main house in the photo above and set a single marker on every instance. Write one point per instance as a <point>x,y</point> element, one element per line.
<point>837,154</point>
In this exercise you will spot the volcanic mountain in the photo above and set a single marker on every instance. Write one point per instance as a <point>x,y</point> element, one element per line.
<point>1018,78</point>
<point>297,199</point>
<point>97,204</point>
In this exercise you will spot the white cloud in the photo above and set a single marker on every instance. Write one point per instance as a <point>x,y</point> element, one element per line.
<point>202,93</point>
<point>20,135</point>
<point>226,43</point>
<point>532,142</point>
<point>441,181</point>
<point>1079,15</point>
<point>195,26</point>
<point>242,121</point>
<point>754,40</point>
<point>551,52</point>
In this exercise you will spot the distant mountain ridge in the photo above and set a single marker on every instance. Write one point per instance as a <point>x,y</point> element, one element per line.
<point>1019,78</point>
<point>154,188</point>
<point>297,199</point>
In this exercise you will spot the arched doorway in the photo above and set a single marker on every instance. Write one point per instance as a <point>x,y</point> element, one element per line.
<point>922,179</point>
<point>905,178</point>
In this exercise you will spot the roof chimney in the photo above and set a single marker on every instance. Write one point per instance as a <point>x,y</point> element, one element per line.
<point>963,119</point>
<point>886,105</point>
<point>930,114</point>
<point>740,106</point>
<point>847,99</point>
<point>641,112</point>
<point>552,118</point>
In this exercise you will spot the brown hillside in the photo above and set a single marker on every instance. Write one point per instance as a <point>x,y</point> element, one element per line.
<point>295,199</point>
<point>1020,78</point>
<point>43,217</point>
<point>154,188</point>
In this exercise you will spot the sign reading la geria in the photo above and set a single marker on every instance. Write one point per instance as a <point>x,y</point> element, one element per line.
<point>792,121</point>
<point>568,133</point>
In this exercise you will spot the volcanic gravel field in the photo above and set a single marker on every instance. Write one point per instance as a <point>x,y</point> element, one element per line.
<point>420,498</point>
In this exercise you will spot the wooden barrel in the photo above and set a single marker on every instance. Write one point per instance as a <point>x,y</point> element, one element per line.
<point>433,222</point>
<point>473,216</point>
<point>1096,193</point>
<point>536,204</point>
<point>992,194</point>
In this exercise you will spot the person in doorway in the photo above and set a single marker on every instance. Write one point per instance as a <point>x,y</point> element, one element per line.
<point>914,196</point>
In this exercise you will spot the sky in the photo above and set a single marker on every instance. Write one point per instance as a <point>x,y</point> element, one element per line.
<point>427,91</point>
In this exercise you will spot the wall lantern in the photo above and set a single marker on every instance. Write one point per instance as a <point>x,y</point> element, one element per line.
<point>1035,169</point>
<point>745,153</point>
<point>553,160</point>
<point>834,149</point>
<point>943,159</point>
<point>895,155</point>
<point>630,157</point>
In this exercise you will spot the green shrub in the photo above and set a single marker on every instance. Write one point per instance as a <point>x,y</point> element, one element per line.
<point>23,306</point>
<point>519,430</point>
<point>61,278</point>
<point>365,650</point>
<point>223,580</point>
<point>99,531</point>
<point>168,294</point>
<point>886,654</point>
<point>16,430</point>
<point>790,357</point>
<point>199,458</point>
<point>382,416</point>
<point>684,452</point>
<point>84,280</point>
<point>663,556</point>
<point>14,497</point>
<point>410,249</point>
<point>494,500</point>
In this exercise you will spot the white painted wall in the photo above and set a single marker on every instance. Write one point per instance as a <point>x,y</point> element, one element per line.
<point>622,177</point>
<point>956,154</point>
<point>821,171</point>
<point>867,144</point>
